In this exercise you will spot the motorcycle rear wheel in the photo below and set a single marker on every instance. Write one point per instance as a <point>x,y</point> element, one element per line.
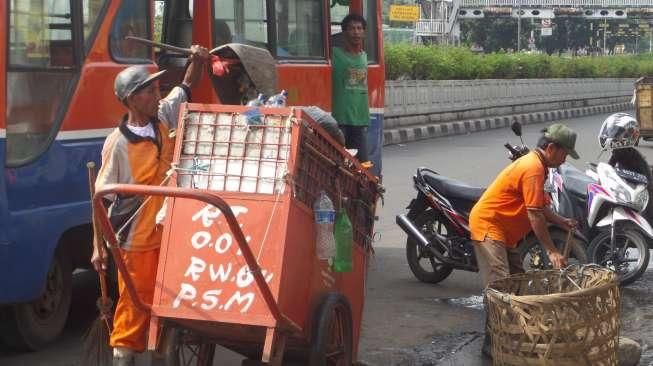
<point>631,265</point>
<point>423,264</point>
<point>534,256</point>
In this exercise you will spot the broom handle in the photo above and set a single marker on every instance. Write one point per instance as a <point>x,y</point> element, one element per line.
<point>183,51</point>
<point>570,237</point>
<point>92,175</point>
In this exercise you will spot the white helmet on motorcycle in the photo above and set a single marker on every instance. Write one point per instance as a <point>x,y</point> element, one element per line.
<point>618,131</point>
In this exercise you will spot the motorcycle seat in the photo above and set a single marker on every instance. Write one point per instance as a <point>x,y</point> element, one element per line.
<point>575,181</point>
<point>451,188</point>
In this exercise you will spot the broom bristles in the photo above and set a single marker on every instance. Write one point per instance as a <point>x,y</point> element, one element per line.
<point>96,349</point>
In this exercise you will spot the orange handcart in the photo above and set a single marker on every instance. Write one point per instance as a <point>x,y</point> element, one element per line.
<point>238,265</point>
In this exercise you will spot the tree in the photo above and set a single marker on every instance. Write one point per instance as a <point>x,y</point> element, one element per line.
<point>495,34</point>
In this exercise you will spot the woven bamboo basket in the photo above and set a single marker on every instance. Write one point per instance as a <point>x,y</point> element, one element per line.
<point>555,317</point>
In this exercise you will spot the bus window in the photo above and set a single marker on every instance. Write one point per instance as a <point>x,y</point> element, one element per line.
<point>371,37</point>
<point>42,65</point>
<point>337,14</point>
<point>40,34</point>
<point>91,10</point>
<point>176,17</point>
<point>299,28</point>
<point>242,21</point>
<point>173,23</point>
<point>133,19</point>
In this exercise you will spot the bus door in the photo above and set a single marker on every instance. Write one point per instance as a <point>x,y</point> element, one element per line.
<point>182,23</point>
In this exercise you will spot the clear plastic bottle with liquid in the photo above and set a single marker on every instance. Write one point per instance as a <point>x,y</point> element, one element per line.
<point>259,101</point>
<point>278,100</point>
<point>325,215</point>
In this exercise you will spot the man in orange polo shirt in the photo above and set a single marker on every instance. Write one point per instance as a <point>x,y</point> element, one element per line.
<point>514,204</point>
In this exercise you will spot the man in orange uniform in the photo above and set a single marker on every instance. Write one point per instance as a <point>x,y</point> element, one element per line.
<point>514,204</point>
<point>140,151</point>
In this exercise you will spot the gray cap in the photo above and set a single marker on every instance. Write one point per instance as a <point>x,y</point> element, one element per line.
<point>133,79</point>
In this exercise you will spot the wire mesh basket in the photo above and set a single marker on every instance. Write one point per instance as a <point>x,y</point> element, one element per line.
<point>554,317</point>
<point>271,151</point>
<point>223,151</point>
<point>324,166</point>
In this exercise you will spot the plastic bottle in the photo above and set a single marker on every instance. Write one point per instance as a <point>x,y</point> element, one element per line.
<point>325,215</point>
<point>278,100</point>
<point>259,101</point>
<point>344,235</point>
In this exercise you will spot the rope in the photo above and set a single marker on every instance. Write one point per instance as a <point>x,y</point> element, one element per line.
<point>140,208</point>
<point>284,177</point>
<point>267,228</point>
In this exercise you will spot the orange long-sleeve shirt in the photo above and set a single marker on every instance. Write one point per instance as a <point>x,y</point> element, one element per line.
<point>501,213</point>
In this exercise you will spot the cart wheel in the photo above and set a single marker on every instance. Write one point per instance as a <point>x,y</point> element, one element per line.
<point>332,334</point>
<point>183,348</point>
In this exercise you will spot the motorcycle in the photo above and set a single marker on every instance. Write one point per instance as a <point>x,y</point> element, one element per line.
<point>607,202</point>
<point>618,242</point>
<point>437,224</point>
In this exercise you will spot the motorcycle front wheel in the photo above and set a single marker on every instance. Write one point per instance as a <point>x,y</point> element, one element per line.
<point>424,265</point>
<point>630,257</point>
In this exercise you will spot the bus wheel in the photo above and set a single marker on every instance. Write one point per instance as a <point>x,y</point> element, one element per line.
<point>30,326</point>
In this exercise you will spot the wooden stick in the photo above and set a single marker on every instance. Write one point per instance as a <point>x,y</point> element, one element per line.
<point>97,241</point>
<point>183,51</point>
<point>570,237</point>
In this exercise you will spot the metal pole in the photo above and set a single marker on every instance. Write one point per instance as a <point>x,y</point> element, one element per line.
<point>518,26</point>
<point>605,29</point>
<point>650,37</point>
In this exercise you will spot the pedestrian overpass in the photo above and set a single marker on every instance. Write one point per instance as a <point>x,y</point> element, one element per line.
<point>443,15</point>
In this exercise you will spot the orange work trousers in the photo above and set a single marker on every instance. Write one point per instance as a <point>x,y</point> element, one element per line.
<point>130,325</point>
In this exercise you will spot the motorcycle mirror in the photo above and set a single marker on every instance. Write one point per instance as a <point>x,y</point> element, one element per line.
<point>516,128</point>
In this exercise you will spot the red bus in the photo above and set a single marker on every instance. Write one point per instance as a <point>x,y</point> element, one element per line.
<point>58,60</point>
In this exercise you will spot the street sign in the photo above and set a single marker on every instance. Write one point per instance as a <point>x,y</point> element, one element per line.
<point>546,23</point>
<point>404,13</point>
<point>547,31</point>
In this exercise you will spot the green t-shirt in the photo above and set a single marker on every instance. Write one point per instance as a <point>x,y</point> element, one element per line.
<point>349,88</point>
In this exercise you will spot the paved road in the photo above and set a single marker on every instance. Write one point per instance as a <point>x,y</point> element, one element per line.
<point>407,322</point>
<point>430,321</point>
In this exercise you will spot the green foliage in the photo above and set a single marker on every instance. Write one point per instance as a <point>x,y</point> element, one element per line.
<point>437,62</point>
<point>397,61</point>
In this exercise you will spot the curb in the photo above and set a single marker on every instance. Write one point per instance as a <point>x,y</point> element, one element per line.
<point>429,131</point>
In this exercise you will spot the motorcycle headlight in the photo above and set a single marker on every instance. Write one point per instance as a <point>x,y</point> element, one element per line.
<point>641,200</point>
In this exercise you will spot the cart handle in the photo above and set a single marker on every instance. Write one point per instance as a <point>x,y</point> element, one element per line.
<point>209,197</point>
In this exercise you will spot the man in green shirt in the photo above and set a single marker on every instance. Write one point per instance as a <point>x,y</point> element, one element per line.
<point>349,85</point>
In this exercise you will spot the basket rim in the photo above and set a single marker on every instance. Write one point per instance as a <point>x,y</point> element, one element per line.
<point>493,293</point>
<point>504,297</point>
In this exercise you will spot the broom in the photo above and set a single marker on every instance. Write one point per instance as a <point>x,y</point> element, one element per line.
<point>96,349</point>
